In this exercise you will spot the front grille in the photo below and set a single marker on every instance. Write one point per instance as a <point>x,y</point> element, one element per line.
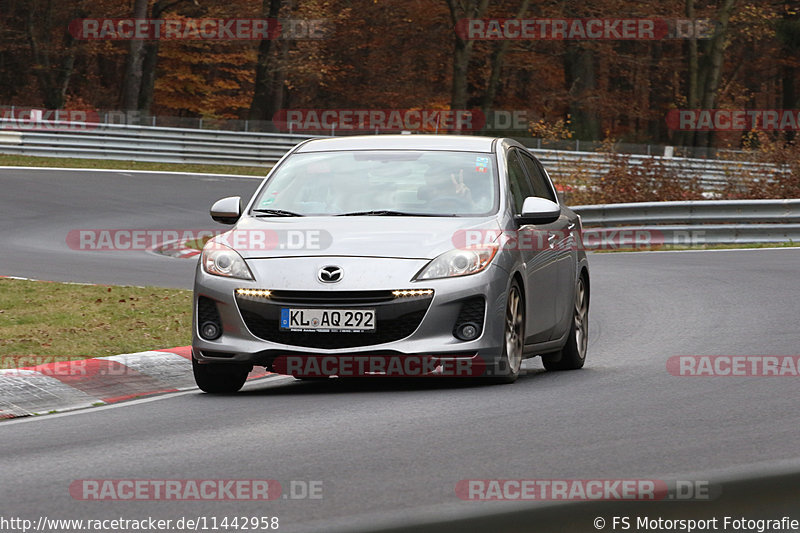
<point>330,297</point>
<point>395,318</point>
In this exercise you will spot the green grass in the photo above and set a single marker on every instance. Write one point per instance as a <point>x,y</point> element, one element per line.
<point>197,244</point>
<point>683,247</point>
<point>68,162</point>
<point>69,321</point>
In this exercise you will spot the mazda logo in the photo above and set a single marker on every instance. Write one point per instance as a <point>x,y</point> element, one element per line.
<point>330,274</point>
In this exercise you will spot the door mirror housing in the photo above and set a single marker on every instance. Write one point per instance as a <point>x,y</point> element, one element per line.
<point>227,210</point>
<point>538,211</point>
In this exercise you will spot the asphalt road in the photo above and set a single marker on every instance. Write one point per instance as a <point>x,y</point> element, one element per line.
<point>396,451</point>
<point>39,208</point>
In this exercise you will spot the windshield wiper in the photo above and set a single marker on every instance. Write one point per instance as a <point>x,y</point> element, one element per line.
<point>385,213</point>
<point>276,213</point>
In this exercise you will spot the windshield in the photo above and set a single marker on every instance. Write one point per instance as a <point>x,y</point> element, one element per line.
<point>434,183</point>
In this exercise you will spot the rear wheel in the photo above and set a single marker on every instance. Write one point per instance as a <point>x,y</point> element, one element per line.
<point>507,367</point>
<point>219,378</point>
<point>573,354</point>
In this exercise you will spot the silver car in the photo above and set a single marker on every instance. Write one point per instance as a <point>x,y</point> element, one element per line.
<point>397,255</point>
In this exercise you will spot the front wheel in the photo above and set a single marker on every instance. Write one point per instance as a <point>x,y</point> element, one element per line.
<point>506,369</point>
<point>219,378</point>
<point>573,354</point>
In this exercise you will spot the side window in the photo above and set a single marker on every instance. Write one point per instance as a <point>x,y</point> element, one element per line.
<point>517,181</point>
<point>541,187</point>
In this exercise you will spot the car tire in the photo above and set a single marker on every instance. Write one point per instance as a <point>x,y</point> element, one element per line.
<point>219,378</point>
<point>506,369</point>
<point>573,355</point>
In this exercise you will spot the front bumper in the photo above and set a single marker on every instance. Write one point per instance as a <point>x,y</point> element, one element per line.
<point>405,325</point>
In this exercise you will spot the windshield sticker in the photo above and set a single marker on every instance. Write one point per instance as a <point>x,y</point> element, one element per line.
<point>267,201</point>
<point>481,164</point>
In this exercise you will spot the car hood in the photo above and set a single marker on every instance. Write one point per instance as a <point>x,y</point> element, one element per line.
<point>373,236</point>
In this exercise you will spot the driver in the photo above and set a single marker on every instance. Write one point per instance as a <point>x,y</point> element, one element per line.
<point>444,185</point>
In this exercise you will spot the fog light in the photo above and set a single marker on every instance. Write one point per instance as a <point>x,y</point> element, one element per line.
<point>210,331</point>
<point>468,331</point>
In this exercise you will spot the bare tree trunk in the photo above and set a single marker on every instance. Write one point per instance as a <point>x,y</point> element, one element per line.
<point>658,94</point>
<point>581,84</point>
<point>687,137</point>
<point>278,80</point>
<point>150,60</point>
<point>132,82</point>
<point>149,64</point>
<point>462,51</point>
<point>789,34</point>
<point>53,84</point>
<point>261,107</point>
<point>497,64</point>
<point>461,55</point>
<point>711,73</point>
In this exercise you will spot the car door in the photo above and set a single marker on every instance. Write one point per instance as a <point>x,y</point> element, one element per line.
<point>563,245</point>
<point>541,273</point>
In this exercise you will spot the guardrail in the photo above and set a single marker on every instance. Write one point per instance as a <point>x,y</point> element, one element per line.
<point>696,222</point>
<point>183,145</point>
<point>711,175</point>
<point>144,143</point>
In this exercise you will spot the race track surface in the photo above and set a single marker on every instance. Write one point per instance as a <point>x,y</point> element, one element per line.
<point>398,449</point>
<point>40,207</point>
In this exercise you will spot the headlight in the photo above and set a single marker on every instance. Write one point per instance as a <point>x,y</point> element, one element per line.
<point>219,260</point>
<point>459,262</point>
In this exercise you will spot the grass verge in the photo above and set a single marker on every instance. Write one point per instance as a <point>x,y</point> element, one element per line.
<point>68,321</point>
<point>68,162</point>
<point>197,244</point>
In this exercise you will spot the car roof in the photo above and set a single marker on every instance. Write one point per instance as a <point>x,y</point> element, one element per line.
<point>456,143</point>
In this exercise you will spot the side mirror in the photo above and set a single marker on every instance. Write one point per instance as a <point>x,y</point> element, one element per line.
<point>539,211</point>
<point>228,210</point>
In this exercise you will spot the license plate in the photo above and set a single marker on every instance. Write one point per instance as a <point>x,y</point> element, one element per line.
<point>328,320</point>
